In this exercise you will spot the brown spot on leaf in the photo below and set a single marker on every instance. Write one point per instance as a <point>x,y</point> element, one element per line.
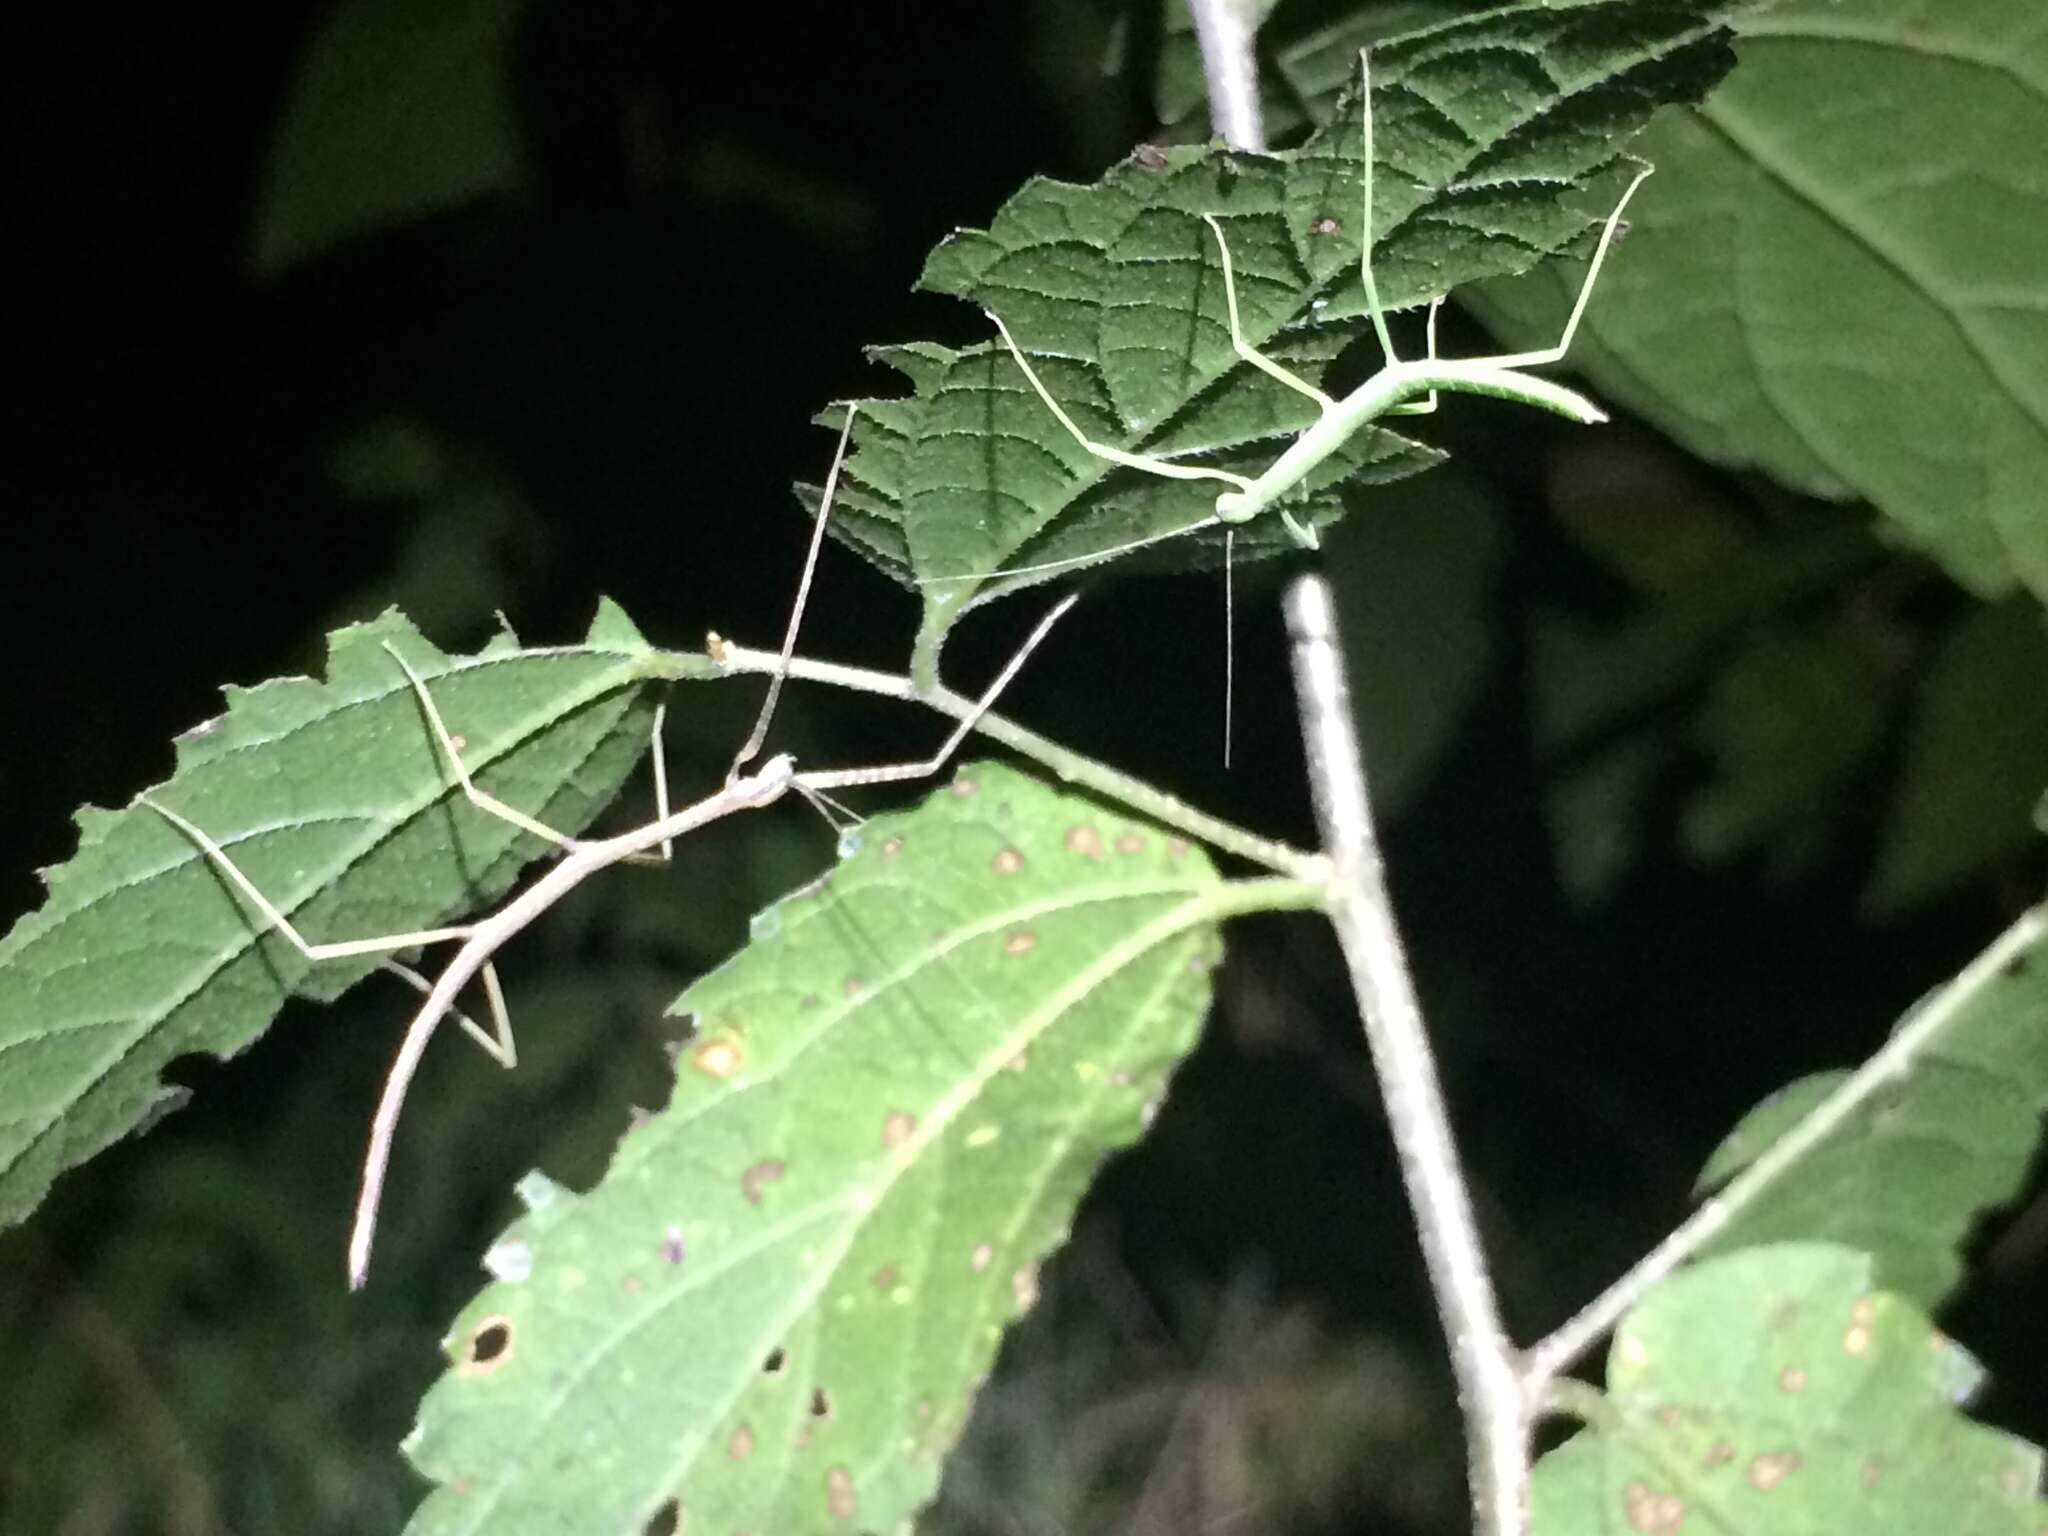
<point>964,785</point>
<point>667,1519</point>
<point>1176,847</point>
<point>1018,1062</point>
<point>1872,1471</point>
<point>1131,842</point>
<point>853,986</point>
<point>741,1446</point>
<point>488,1346</point>
<point>718,1058</point>
<point>1766,1472</point>
<point>631,1285</point>
<point>1792,1380</point>
<point>1326,225</point>
<point>1007,861</point>
<point>891,846</point>
<point>898,1126</point>
<point>1085,841</point>
<point>1719,1454</point>
<point>1021,941</point>
<point>839,1493</point>
<point>765,1172</point>
<point>981,1257</point>
<point>1651,1512</point>
<point>1024,1287</point>
<point>672,1246</point>
<point>886,1277</point>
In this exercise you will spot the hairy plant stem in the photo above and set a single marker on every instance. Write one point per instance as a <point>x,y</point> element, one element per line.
<point>1068,766</point>
<point>1490,1390</point>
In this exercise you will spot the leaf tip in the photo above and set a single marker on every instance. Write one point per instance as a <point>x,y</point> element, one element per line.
<point>611,629</point>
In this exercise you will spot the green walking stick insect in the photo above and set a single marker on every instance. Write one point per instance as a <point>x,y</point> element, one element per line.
<point>479,942</point>
<point>1401,387</point>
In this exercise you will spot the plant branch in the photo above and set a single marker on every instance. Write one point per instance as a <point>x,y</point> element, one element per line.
<point>1489,1383</point>
<point>1562,1349</point>
<point>1224,30</point>
<point>1068,766</point>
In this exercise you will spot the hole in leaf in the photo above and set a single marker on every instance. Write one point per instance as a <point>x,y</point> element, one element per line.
<point>777,1359</point>
<point>666,1520</point>
<point>672,1246</point>
<point>821,1403</point>
<point>489,1346</point>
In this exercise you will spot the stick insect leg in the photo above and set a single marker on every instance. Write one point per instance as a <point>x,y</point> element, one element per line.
<point>1245,349</point>
<point>1372,292</point>
<point>482,799</point>
<point>1151,464</point>
<point>1427,405</point>
<point>497,1042</point>
<point>337,950</point>
<point>1556,353</point>
<point>893,773</point>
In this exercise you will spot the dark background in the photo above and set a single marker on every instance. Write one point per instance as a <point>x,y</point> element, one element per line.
<point>604,386</point>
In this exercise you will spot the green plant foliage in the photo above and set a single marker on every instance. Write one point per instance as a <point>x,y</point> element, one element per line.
<point>333,798</point>
<point>1485,130</point>
<point>1419,577</point>
<point>773,1312</point>
<point>400,111</point>
<point>1857,321</point>
<point>1976,756</point>
<point>1609,703</point>
<point>1787,723</point>
<point>1780,1390</point>
<point>1907,1177</point>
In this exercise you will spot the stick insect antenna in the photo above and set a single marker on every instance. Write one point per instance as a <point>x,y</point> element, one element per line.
<point>759,734</point>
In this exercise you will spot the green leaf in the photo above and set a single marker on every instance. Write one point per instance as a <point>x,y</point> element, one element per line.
<point>1907,1176</point>
<point>1484,130</point>
<point>774,1311</point>
<point>1853,225</point>
<point>1788,723</point>
<point>1418,581</point>
<point>1778,1391</point>
<point>399,111</point>
<point>333,798</point>
<point>1976,756</point>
